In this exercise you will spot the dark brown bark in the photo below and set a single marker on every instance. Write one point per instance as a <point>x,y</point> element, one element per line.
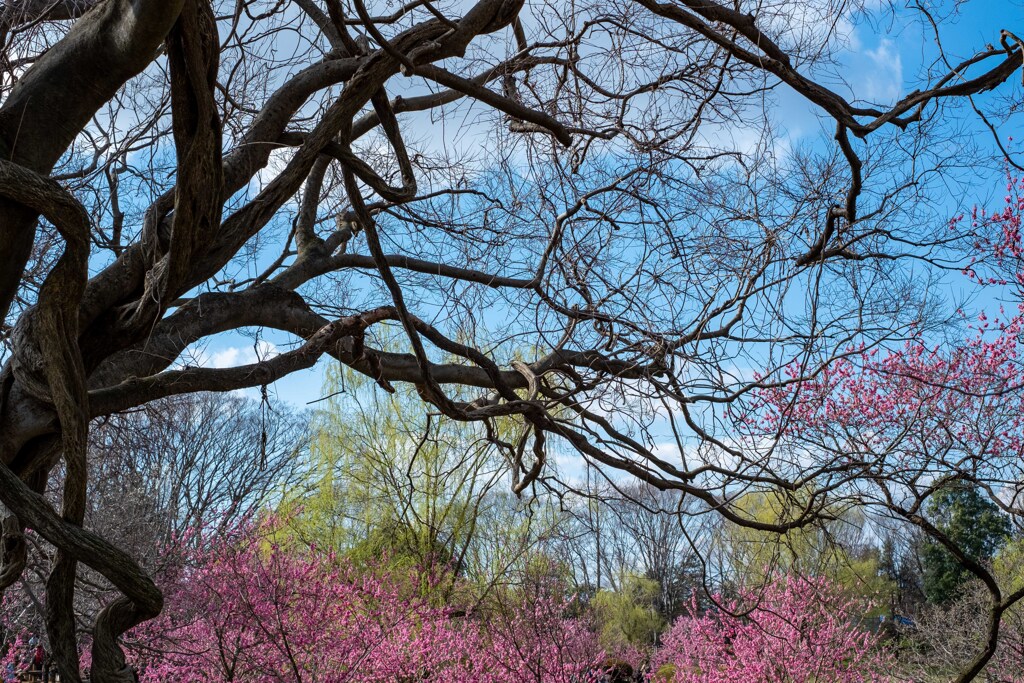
<point>58,95</point>
<point>712,253</point>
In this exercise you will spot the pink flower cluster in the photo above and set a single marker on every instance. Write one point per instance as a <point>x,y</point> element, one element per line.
<point>240,608</point>
<point>245,610</point>
<point>1000,242</point>
<point>961,401</point>
<point>799,630</point>
<point>17,657</point>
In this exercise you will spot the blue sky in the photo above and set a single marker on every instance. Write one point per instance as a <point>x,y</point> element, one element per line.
<point>883,60</point>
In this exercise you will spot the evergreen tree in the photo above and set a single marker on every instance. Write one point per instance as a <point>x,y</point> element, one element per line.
<point>974,524</point>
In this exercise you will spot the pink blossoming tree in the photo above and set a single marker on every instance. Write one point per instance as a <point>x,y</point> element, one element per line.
<point>891,429</point>
<point>799,630</point>
<point>243,609</point>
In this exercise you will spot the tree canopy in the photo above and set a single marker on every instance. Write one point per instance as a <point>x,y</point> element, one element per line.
<point>972,522</point>
<point>584,219</point>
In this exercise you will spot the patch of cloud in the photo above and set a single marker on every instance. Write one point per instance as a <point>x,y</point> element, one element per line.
<point>227,357</point>
<point>276,164</point>
<point>233,356</point>
<point>882,82</point>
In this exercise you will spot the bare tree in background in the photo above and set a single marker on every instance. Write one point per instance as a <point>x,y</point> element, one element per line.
<point>654,537</point>
<point>610,534</point>
<point>175,465</point>
<point>186,462</point>
<point>611,200</point>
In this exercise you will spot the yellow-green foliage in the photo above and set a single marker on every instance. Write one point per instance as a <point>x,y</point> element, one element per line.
<point>1008,566</point>
<point>387,479</point>
<point>627,616</point>
<point>828,548</point>
<point>666,673</point>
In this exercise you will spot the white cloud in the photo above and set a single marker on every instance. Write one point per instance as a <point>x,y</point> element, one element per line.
<point>276,164</point>
<point>227,357</point>
<point>233,355</point>
<point>883,82</point>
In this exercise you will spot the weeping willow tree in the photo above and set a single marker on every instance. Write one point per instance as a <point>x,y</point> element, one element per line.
<point>392,485</point>
<point>836,546</point>
<point>389,480</point>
